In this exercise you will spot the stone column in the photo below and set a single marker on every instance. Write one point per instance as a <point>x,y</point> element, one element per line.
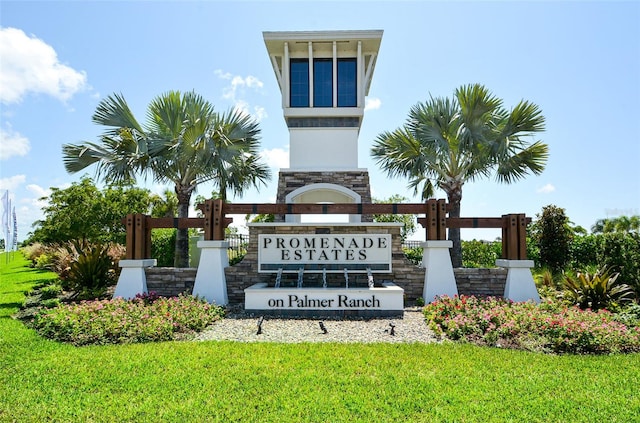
<point>211,283</point>
<point>520,285</point>
<point>439,279</point>
<point>132,280</point>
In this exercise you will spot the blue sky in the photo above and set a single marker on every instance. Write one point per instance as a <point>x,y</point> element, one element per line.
<point>579,61</point>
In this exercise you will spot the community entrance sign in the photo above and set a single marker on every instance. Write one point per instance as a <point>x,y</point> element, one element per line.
<point>325,253</point>
<point>324,77</point>
<point>384,300</point>
<point>325,274</point>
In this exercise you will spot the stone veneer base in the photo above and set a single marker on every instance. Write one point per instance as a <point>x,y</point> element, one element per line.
<point>356,180</point>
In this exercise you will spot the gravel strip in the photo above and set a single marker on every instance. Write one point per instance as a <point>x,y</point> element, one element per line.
<point>242,327</point>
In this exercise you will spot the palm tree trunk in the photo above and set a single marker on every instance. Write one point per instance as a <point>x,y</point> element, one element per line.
<point>455,197</point>
<point>181,257</point>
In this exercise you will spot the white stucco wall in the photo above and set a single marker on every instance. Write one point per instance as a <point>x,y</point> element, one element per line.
<point>325,148</point>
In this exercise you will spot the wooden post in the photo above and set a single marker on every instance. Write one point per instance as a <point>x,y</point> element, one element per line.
<point>432,220</point>
<point>522,237</point>
<point>147,237</point>
<point>514,237</point>
<point>207,209</point>
<point>442,220</point>
<point>131,236</point>
<point>218,217</point>
<point>140,228</point>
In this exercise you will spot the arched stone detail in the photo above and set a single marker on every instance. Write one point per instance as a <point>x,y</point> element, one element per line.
<point>350,181</point>
<point>329,193</point>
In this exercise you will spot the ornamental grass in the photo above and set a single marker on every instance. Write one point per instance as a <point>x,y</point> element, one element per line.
<point>145,318</point>
<point>548,327</point>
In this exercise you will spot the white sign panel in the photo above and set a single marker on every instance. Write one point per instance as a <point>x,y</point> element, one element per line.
<point>388,297</point>
<point>327,252</point>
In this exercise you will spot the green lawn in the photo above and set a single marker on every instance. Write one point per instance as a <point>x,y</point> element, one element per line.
<point>42,380</point>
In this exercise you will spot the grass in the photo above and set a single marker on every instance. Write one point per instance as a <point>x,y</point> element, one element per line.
<point>43,380</point>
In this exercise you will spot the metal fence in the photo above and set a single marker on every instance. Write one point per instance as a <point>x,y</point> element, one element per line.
<point>410,244</point>
<point>237,246</point>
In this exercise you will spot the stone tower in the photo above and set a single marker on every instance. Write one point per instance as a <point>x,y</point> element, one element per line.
<point>324,77</point>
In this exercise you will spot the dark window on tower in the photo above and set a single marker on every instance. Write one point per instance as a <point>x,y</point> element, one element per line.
<point>347,91</point>
<point>322,82</point>
<point>299,95</point>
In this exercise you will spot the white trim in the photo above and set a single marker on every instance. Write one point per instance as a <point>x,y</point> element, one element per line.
<point>357,198</point>
<point>322,169</point>
<point>323,35</point>
<point>274,63</point>
<point>327,224</point>
<point>359,77</point>
<point>334,81</point>
<point>311,75</point>
<point>367,78</point>
<point>290,198</point>
<point>286,101</point>
<point>325,112</point>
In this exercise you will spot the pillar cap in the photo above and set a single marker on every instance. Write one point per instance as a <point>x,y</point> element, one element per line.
<point>437,244</point>
<point>138,263</point>
<point>514,263</point>
<point>213,244</point>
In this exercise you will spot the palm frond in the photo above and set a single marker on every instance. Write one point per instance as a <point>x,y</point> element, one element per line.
<point>517,165</point>
<point>114,112</point>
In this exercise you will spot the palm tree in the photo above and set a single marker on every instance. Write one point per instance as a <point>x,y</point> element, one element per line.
<point>624,224</point>
<point>448,142</point>
<point>184,142</point>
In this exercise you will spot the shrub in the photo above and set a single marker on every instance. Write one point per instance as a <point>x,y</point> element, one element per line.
<point>236,259</point>
<point>163,246</point>
<point>50,303</point>
<point>43,261</point>
<point>596,291</point>
<point>479,254</point>
<point>553,235</point>
<point>118,321</point>
<point>50,291</point>
<point>629,316</point>
<point>414,255</point>
<point>33,251</point>
<point>584,251</point>
<point>548,327</point>
<point>621,251</point>
<point>92,270</point>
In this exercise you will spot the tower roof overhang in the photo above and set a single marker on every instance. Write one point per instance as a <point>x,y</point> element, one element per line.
<point>346,42</point>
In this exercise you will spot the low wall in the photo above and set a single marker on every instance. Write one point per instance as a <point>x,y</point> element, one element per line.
<point>170,281</point>
<point>173,281</point>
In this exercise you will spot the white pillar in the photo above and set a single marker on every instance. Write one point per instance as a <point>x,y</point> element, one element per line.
<point>211,283</point>
<point>520,285</point>
<point>286,79</point>
<point>439,279</point>
<point>132,280</point>
<point>311,74</point>
<point>334,81</point>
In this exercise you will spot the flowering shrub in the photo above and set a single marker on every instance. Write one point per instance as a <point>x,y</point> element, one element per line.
<point>143,319</point>
<point>547,327</point>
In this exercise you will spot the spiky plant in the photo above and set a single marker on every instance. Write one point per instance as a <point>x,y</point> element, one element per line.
<point>596,291</point>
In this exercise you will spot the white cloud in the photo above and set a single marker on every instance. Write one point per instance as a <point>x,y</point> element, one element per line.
<point>12,182</point>
<point>236,92</point>
<point>372,103</point>
<point>276,158</point>
<point>31,65</point>
<point>38,191</point>
<point>259,112</point>
<point>12,143</point>
<point>548,188</point>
